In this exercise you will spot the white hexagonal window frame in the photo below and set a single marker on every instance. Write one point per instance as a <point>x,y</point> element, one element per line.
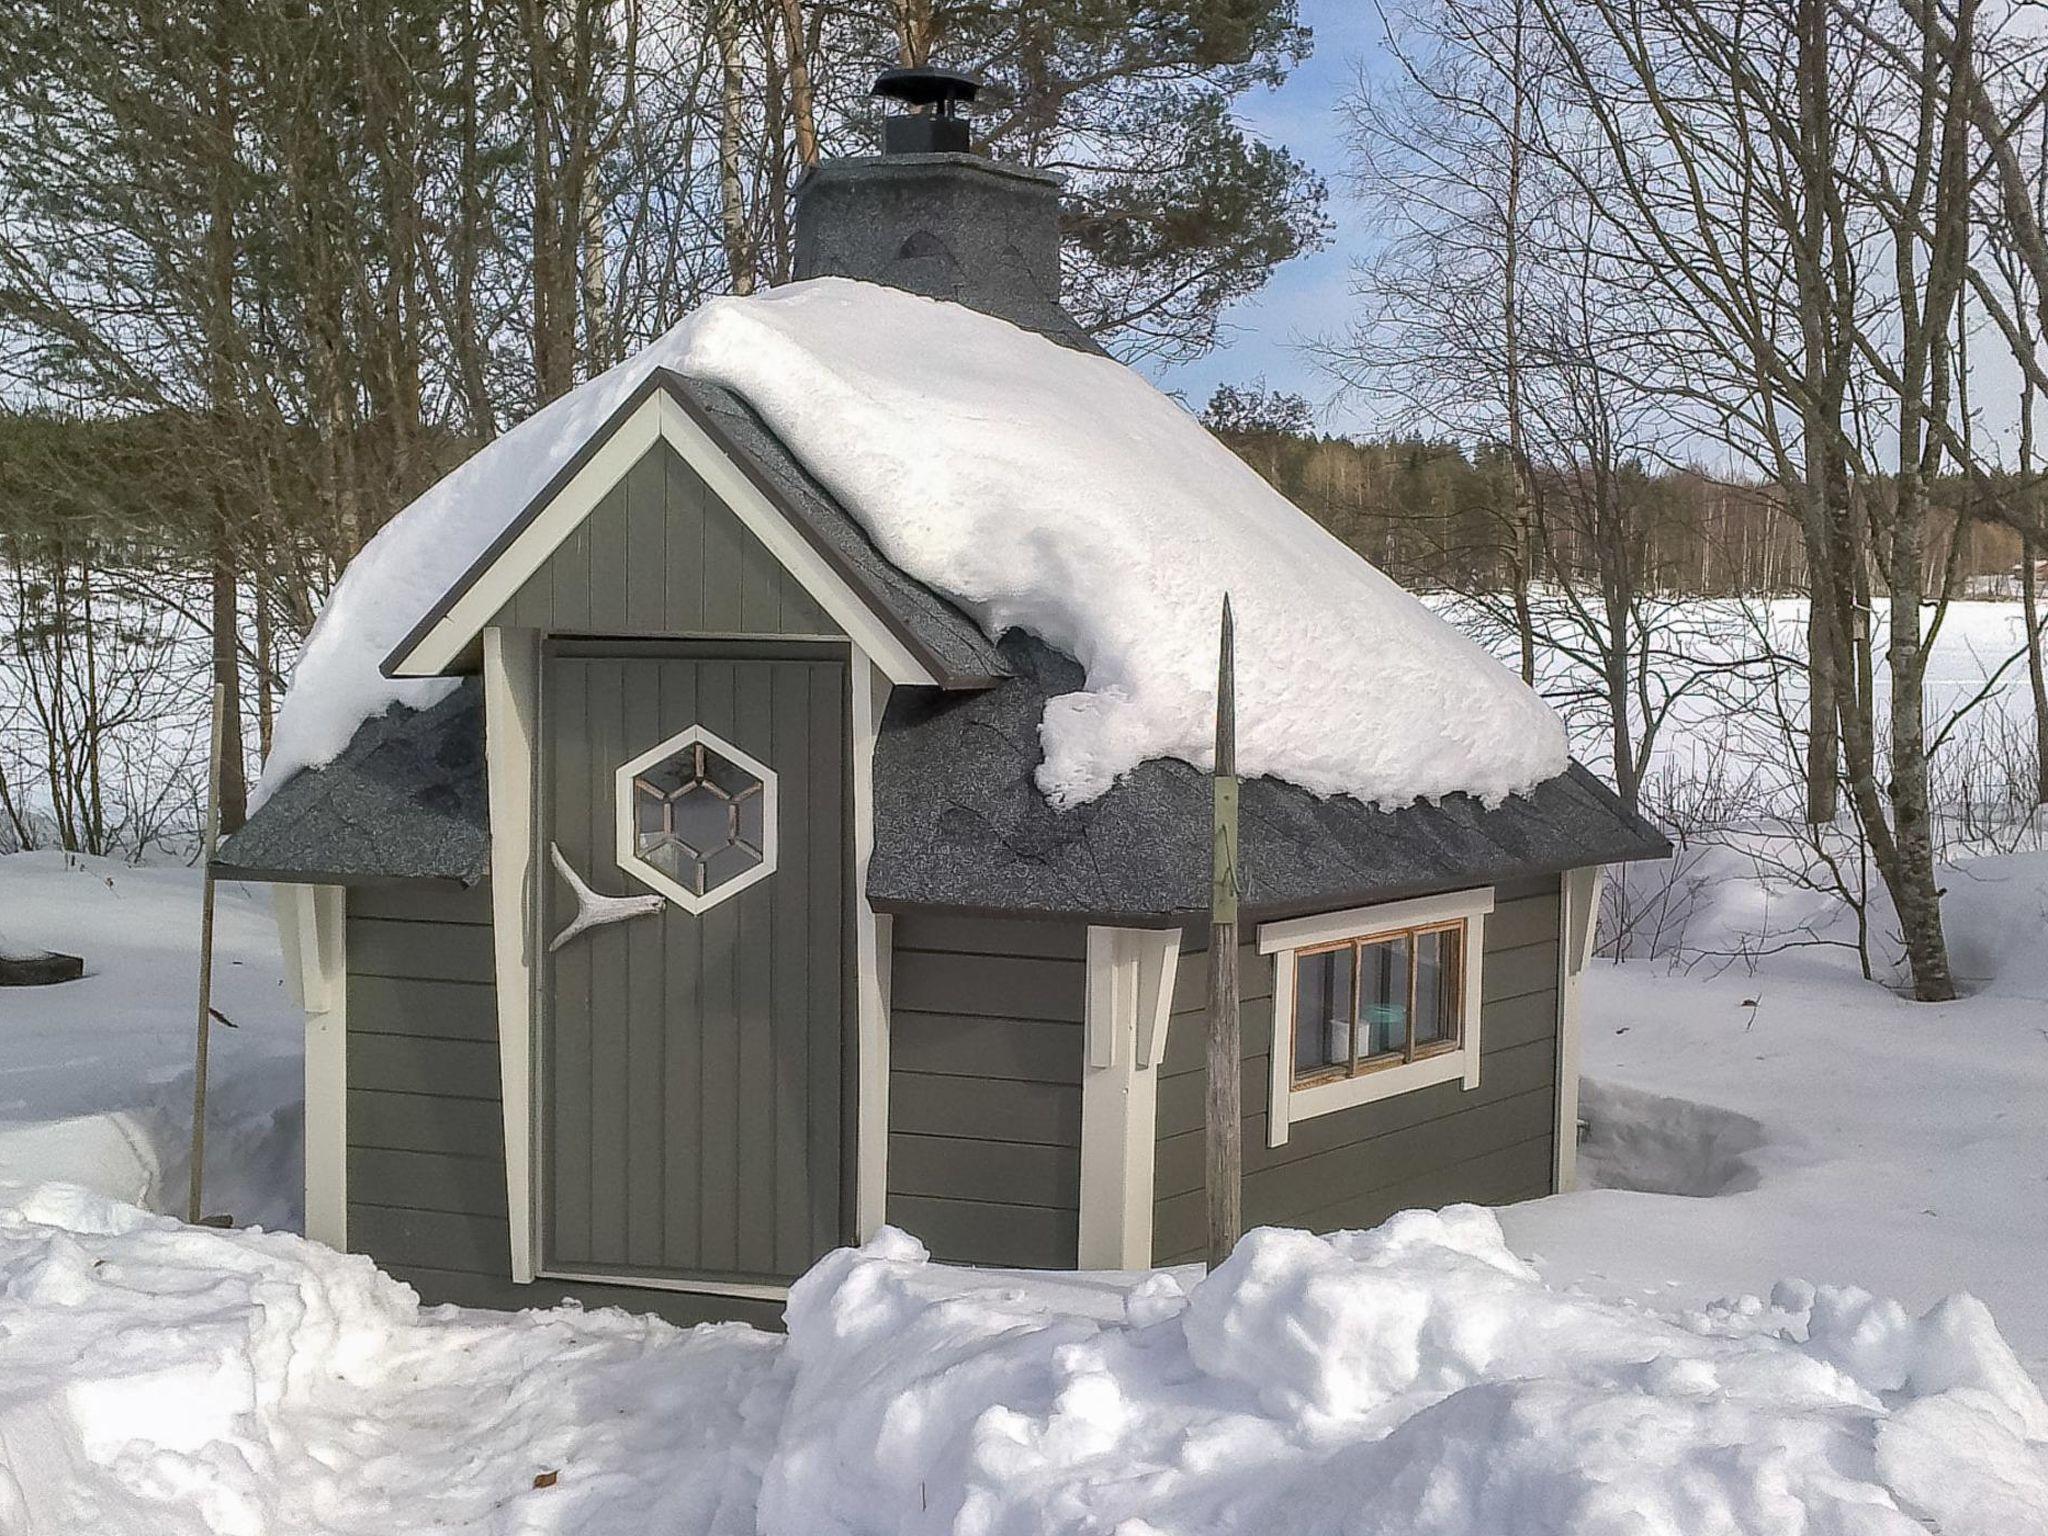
<point>622,799</point>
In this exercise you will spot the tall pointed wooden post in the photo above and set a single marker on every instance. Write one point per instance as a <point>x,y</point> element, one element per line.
<point>194,1209</point>
<point>1223,1125</point>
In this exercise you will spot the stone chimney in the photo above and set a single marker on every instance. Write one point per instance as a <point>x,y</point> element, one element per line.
<point>930,217</point>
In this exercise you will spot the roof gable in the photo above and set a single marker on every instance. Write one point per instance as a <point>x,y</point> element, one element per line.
<point>912,641</point>
<point>662,554</point>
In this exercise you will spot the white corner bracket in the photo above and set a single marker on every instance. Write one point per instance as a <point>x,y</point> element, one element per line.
<point>1577,919</point>
<point>1129,1000</point>
<point>312,930</point>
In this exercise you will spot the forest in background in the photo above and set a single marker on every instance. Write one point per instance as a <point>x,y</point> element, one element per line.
<point>285,265</point>
<point>268,269</point>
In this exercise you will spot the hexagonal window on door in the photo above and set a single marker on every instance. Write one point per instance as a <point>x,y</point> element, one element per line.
<point>696,819</point>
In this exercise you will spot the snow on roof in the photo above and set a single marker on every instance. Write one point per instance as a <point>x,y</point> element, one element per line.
<point>1042,489</point>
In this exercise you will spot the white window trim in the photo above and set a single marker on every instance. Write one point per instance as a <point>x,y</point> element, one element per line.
<point>1286,1103</point>
<point>659,418</point>
<point>623,820</point>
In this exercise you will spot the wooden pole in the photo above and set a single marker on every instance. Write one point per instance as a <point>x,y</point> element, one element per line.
<point>1224,1123</point>
<point>193,1209</point>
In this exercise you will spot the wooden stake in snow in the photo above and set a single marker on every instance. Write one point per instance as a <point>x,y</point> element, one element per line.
<point>1223,1126</point>
<point>220,708</point>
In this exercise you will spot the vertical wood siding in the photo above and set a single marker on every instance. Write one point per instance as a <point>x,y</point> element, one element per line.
<point>691,1064</point>
<point>426,1138</point>
<point>985,1058</point>
<point>1358,1166</point>
<point>661,554</point>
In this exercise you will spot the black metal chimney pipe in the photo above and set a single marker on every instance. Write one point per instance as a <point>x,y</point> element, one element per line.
<point>937,129</point>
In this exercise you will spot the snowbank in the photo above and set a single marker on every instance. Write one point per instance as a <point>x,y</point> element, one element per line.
<point>162,1380</point>
<point>1415,1379</point>
<point>1041,489</point>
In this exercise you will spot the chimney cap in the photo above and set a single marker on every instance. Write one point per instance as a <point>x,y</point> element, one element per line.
<point>925,86</point>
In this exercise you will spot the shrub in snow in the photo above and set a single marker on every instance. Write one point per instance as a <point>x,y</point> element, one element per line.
<point>1041,489</point>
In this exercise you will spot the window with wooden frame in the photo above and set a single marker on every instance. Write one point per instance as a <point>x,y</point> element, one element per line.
<point>1364,1004</point>
<point>1373,1002</point>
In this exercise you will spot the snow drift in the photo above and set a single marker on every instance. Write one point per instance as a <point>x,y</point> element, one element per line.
<point>1042,489</point>
<point>1417,1379</point>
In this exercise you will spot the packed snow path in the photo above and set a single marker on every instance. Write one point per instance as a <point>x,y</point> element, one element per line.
<point>160,1380</point>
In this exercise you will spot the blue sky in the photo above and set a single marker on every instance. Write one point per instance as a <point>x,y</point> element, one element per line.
<point>1262,336</point>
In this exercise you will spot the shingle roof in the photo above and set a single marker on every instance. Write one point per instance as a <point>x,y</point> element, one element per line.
<point>958,822</point>
<point>405,800</point>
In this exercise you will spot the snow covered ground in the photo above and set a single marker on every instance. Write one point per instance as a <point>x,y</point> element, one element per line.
<point>1798,1120</point>
<point>166,1380</point>
<point>96,1074</point>
<point>1578,1374</point>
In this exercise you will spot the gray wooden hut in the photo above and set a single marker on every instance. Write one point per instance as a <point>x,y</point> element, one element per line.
<point>866,973</point>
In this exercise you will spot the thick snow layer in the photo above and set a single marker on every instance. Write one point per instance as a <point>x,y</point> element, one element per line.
<point>1043,490</point>
<point>158,1380</point>
<point>96,1074</point>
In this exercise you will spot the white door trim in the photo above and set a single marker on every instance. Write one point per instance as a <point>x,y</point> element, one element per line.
<point>511,732</point>
<point>511,764</point>
<point>312,927</point>
<point>1129,1000</point>
<point>659,418</point>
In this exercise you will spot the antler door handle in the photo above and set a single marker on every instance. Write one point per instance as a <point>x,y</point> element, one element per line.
<point>594,910</point>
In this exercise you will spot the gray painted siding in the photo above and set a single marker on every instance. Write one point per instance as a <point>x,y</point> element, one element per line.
<point>1359,1166</point>
<point>985,1057</point>
<point>660,554</point>
<point>426,1139</point>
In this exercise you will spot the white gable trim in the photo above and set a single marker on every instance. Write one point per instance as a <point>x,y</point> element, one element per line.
<point>659,418</point>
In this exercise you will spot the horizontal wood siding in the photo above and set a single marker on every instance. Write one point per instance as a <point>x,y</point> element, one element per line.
<point>660,554</point>
<point>1358,1166</point>
<point>426,1133</point>
<point>985,1060</point>
<point>426,1137</point>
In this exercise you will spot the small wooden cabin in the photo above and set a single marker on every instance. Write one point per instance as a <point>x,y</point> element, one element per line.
<point>715,919</point>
